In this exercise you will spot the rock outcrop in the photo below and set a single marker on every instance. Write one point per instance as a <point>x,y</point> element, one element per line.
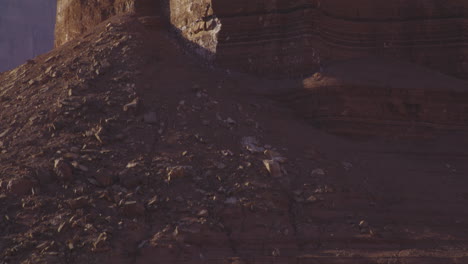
<point>384,96</point>
<point>26,30</point>
<point>76,17</point>
<point>292,38</point>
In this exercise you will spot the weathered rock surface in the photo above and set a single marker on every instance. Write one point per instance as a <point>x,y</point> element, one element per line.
<point>292,38</point>
<point>372,95</point>
<point>76,17</point>
<point>26,30</point>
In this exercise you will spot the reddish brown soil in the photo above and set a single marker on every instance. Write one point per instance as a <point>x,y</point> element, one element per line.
<point>169,179</point>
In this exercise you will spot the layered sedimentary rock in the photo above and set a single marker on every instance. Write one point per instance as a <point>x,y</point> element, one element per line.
<point>382,95</point>
<point>284,37</point>
<point>26,30</point>
<point>296,37</point>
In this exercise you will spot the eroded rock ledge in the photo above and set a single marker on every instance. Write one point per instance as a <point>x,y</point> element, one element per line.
<point>283,38</point>
<point>74,17</point>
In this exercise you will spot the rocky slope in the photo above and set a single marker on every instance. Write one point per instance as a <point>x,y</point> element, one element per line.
<point>292,38</point>
<point>26,30</point>
<point>114,151</point>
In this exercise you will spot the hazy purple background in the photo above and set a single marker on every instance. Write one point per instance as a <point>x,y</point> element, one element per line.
<point>26,30</point>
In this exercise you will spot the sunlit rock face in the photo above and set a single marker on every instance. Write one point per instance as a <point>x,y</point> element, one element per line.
<point>298,37</point>
<point>74,17</point>
<point>26,30</point>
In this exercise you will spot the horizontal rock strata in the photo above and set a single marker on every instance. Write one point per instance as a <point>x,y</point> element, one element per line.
<point>297,37</point>
<point>291,38</point>
<point>368,96</point>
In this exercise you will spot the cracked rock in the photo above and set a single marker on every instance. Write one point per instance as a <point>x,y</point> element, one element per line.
<point>63,170</point>
<point>273,168</point>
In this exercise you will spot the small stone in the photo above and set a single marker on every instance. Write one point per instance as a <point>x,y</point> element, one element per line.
<point>275,156</point>
<point>104,178</point>
<point>120,136</point>
<point>133,209</point>
<point>43,175</point>
<point>203,212</point>
<point>227,153</point>
<point>311,199</point>
<point>231,200</point>
<point>237,261</point>
<point>273,168</point>
<point>220,165</point>
<point>71,155</point>
<point>79,166</point>
<point>143,243</point>
<point>130,180</point>
<point>347,165</point>
<point>297,192</point>
<point>363,224</point>
<point>20,186</point>
<point>150,118</point>
<point>78,203</point>
<point>132,164</point>
<point>63,170</point>
<point>177,171</point>
<point>320,172</point>
<point>230,121</point>
<point>93,182</point>
<point>75,149</point>
<point>83,168</point>
<point>251,144</point>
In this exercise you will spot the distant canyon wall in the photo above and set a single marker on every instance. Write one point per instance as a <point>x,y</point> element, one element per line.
<point>26,30</point>
<point>298,37</point>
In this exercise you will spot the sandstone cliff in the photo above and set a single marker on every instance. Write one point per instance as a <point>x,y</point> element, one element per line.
<point>298,37</point>
<point>75,17</point>
<point>26,30</point>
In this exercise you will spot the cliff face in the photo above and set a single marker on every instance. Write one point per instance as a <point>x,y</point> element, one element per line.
<point>296,37</point>
<point>26,30</point>
<point>280,37</point>
<point>75,17</point>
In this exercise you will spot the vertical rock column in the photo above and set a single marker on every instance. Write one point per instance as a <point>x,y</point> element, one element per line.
<point>196,22</point>
<point>75,17</point>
